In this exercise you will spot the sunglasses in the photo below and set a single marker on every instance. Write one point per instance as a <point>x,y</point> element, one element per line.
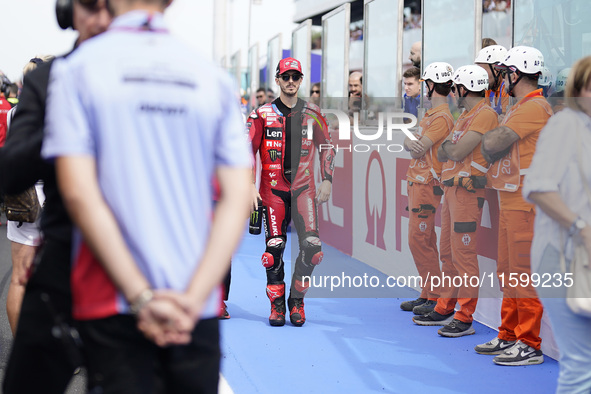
<point>261,96</point>
<point>294,77</point>
<point>314,91</point>
<point>88,3</point>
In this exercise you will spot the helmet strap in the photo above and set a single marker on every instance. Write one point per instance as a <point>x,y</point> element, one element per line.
<point>512,84</point>
<point>466,92</point>
<point>496,75</point>
<point>430,90</point>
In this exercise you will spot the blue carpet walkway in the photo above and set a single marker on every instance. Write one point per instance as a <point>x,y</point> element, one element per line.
<point>354,345</point>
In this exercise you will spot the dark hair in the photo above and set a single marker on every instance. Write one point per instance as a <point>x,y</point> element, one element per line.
<point>269,90</point>
<point>443,89</point>
<point>13,88</point>
<point>261,90</point>
<point>486,42</point>
<point>413,72</point>
<point>481,93</point>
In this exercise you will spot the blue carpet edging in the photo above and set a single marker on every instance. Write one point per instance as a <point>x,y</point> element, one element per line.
<point>354,345</point>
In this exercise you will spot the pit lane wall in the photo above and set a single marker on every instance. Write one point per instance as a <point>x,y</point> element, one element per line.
<point>366,218</point>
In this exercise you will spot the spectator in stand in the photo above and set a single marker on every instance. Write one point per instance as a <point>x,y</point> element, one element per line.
<point>415,54</point>
<point>486,42</point>
<point>355,84</point>
<point>412,90</point>
<point>355,91</point>
<point>315,93</point>
<point>270,95</point>
<point>261,96</point>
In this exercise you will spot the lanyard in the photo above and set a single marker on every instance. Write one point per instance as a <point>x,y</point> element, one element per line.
<point>497,106</point>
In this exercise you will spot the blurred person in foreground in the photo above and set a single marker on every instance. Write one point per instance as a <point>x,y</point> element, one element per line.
<point>25,238</point>
<point>147,297</point>
<point>555,185</point>
<point>44,342</point>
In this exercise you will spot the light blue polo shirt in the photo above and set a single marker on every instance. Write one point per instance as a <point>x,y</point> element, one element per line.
<point>158,119</point>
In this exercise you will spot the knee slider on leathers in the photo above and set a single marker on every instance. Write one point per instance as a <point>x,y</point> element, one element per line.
<point>312,249</point>
<point>273,253</point>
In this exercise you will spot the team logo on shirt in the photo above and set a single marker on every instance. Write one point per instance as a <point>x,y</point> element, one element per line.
<point>273,217</point>
<point>310,210</point>
<point>466,239</point>
<point>423,227</point>
<point>274,183</point>
<point>273,134</point>
<point>274,154</point>
<point>273,144</point>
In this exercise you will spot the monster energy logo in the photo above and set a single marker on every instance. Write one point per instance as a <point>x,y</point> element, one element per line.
<point>273,154</point>
<point>254,216</point>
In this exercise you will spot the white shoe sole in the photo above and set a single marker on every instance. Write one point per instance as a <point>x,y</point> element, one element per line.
<point>530,361</point>
<point>492,353</point>
<point>444,322</point>
<point>469,331</point>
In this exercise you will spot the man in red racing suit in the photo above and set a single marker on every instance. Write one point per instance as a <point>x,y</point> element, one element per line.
<point>287,132</point>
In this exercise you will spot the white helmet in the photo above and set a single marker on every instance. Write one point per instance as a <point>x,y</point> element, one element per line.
<point>561,79</point>
<point>438,72</point>
<point>491,54</point>
<point>546,78</point>
<point>527,60</point>
<point>472,77</point>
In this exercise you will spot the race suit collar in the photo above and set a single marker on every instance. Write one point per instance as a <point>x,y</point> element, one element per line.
<point>281,108</point>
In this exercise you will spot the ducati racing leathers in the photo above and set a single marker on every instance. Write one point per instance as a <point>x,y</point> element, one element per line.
<point>287,140</point>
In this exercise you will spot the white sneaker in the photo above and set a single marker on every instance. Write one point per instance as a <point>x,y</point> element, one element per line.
<point>495,346</point>
<point>520,354</point>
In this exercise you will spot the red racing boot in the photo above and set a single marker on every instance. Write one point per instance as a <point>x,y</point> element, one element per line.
<point>276,294</point>
<point>297,316</point>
